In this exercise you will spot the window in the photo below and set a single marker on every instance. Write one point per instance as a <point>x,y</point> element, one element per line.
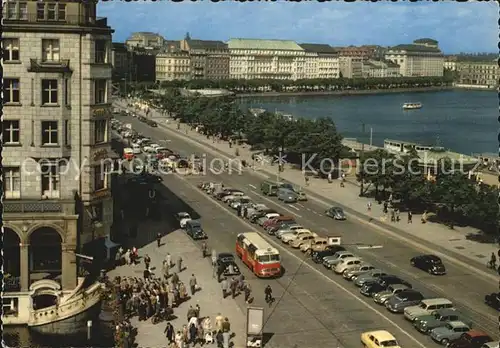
<point>49,92</point>
<point>50,179</point>
<point>61,12</point>
<point>51,12</point>
<point>67,133</point>
<point>50,50</point>
<point>100,131</point>
<point>67,95</point>
<point>100,91</point>
<point>10,50</point>
<point>100,178</point>
<point>12,182</point>
<point>49,133</point>
<point>10,132</point>
<point>100,51</point>
<point>16,10</point>
<point>11,90</point>
<point>40,10</point>
<point>23,10</point>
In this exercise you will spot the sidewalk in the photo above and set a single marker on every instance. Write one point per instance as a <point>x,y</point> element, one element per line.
<point>208,298</point>
<point>453,240</point>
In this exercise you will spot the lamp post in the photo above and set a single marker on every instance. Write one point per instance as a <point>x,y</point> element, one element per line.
<point>361,169</point>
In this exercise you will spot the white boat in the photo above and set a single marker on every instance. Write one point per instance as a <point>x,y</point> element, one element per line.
<point>412,106</point>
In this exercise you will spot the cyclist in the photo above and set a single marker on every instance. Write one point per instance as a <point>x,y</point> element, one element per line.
<point>269,293</point>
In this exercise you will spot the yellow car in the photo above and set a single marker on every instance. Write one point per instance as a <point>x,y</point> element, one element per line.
<point>377,339</point>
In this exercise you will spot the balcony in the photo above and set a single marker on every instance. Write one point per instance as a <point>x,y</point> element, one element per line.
<point>38,206</point>
<point>58,66</point>
<point>68,20</point>
<point>100,57</point>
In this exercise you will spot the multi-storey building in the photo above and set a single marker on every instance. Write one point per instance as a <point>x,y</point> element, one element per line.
<point>145,40</point>
<point>422,58</point>
<point>351,67</point>
<point>363,52</point>
<point>380,68</point>
<point>266,59</point>
<point>173,64</point>
<point>479,73</point>
<point>450,63</point>
<point>322,61</point>
<point>56,139</point>
<point>209,59</point>
<point>121,60</point>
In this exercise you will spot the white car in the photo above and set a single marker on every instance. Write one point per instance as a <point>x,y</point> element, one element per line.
<point>150,148</point>
<point>290,229</point>
<point>233,195</point>
<point>183,218</point>
<point>267,217</point>
<point>136,149</point>
<point>287,238</point>
<point>347,263</point>
<point>239,201</point>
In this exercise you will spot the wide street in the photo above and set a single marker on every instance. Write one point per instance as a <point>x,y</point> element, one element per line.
<point>335,310</point>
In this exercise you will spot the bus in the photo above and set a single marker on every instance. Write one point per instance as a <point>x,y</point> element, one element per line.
<point>258,255</point>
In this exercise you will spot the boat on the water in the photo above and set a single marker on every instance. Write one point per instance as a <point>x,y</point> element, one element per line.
<point>412,106</point>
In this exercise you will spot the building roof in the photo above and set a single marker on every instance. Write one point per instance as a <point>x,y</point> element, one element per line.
<point>318,48</point>
<point>426,40</point>
<point>415,48</point>
<point>261,44</point>
<point>141,34</point>
<point>174,43</point>
<point>206,44</point>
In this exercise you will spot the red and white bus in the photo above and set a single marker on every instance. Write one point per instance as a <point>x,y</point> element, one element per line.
<point>258,255</point>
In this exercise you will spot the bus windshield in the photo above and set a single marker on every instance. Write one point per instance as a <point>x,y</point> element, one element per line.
<point>268,258</point>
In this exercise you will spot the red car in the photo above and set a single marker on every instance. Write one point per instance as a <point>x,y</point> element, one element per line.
<point>471,339</point>
<point>275,221</point>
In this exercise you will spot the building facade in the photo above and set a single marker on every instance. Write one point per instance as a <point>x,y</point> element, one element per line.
<point>380,69</point>
<point>351,67</point>
<point>56,138</point>
<point>266,59</point>
<point>209,59</point>
<point>173,64</point>
<point>121,60</point>
<point>421,58</point>
<point>145,40</point>
<point>322,61</point>
<point>479,73</point>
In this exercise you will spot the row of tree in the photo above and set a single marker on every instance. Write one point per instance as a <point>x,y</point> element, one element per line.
<point>450,193</point>
<point>304,85</point>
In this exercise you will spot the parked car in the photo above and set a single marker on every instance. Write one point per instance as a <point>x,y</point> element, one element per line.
<point>318,256</point>
<point>283,225</point>
<point>290,229</point>
<point>263,219</point>
<point>371,288</point>
<point>226,265</point>
<point>345,264</point>
<point>314,244</point>
<point>391,290</point>
<point>377,339</point>
<point>407,298</point>
<point>287,238</point>
<point>233,195</point>
<point>471,339</point>
<point>438,318</point>
<point>269,188</point>
<point>429,263</point>
<point>301,196</point>
<point>183,218</point>
<point>387,280</point>
<point>372,275</point>
<point>357,271</point>
<point>336,213</point>
<point>194,230</point>
<point>451,331</point>
<point>493,300</point>
<point>240,201</point>
<point>331,261</point>
<point>260,213</point>
<point>302,239</point>
<point>427,306</point>
<point>277,221</point>
<point>493,344</point>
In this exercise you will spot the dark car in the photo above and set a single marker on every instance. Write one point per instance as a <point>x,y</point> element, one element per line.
<point>226,265</point>
<point>260,214</point>
<point>152,124</point>
<point>387,280</point>
<point>336,213</point>
<point>493,300</point>
<point>226,192</point>
<point>471,339</point>
<point>429,263</point>
<point>194,230</point>
<point>370,288</point>
<point>317,256</point>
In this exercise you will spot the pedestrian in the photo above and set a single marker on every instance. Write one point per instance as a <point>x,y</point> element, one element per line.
<point>226,332</point>
<point>147,260</point>
<point>192,284</point>
<point>233,285</point>
<point>245,212</point>
<point>224,286</point>
<point>248,292</point>
<point>158,239</point>
<point>214,257</point>
<point>179,342</point>
<point>239,210</point>
<point>268,291</point>
<point>369,206</point>
<point>410,217</point>
<point>175,279</point>
<point>204,249</point>
<point>127,257</point>
<point>193,334</point>
<point>393,215</point>
<point>397,215</point>
<point>166,269</point>
<point>197,310</point>
<point>306,178</point>
<point>218,322</point>
<point>169,259</point>
<point>424,217</point>
<point>191,313</point>
<point>179,264</point>
<point>329,178</point>
<point>146,274</point>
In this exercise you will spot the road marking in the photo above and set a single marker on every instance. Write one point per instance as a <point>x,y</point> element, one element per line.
<point>291,206</point>
<point>252,186</point>
<point>300,205</point>
<point>304,263</point>
<point>363,247</point>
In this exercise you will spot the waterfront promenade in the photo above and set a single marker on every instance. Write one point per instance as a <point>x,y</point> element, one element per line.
<point>456,241</point>
<point>209,298</point>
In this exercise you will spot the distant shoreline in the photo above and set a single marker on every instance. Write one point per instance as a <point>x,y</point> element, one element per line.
<point>348,92</point>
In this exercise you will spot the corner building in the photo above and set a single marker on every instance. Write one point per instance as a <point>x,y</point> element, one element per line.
<point>56,138</point>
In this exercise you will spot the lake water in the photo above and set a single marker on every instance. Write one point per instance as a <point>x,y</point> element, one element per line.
<point>460,120</point>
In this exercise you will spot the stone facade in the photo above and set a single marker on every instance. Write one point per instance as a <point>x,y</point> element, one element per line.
<point>322,61</point>
<point>421,58</point>
<point>145,40</point>
<point>380,69</point>
<point>351,67</point>
<point>56,123</point>
<point>479,73</point>
<point>173,65</point>
<point>209,59</point>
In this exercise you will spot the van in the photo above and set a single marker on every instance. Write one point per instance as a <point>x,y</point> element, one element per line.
<point>269,188</point>
<point>287,196</point>
<point>426,307</point>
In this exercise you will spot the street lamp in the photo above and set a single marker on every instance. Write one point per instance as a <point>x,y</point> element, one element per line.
<point>361,169</point>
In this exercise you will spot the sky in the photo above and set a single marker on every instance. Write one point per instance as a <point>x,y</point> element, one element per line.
<point>459,27</point>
